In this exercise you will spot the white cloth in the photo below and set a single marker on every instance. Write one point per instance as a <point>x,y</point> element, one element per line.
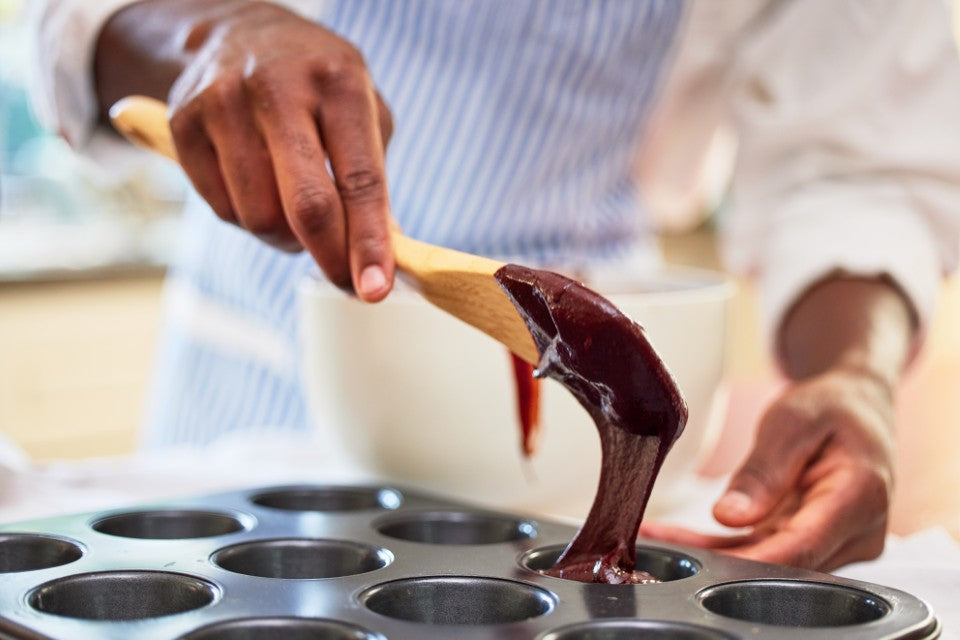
<point>845,112</point>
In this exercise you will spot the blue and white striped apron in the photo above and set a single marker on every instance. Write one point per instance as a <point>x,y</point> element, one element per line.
<point>517,126</point>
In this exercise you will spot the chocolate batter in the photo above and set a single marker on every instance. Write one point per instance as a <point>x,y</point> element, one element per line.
<point>603,358</point>
<point>528,404</point>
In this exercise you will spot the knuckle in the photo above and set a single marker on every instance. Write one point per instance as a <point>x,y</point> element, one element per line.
<point>223,96</point>
<point>314,208</point>
<point>344,71</point>
<point>263,86</point>
<point>369,242</point>
<point>363,185</point>
<point>300,145</point>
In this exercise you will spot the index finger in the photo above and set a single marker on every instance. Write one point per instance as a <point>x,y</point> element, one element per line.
<point>349,119</point>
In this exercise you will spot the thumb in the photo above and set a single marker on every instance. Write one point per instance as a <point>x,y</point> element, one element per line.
<point>772,470</point>
<point>753,491</point>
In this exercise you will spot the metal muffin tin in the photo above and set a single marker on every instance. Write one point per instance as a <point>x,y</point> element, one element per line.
<point>374,562</point>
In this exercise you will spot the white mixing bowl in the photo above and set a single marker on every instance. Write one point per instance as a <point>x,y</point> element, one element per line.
<point>417,397</point>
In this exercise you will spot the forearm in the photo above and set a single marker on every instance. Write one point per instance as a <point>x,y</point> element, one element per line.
<point>145,46</point>
<point>855,323</point>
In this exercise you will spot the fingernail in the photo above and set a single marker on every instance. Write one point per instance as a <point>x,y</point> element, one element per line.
<point>372,280</point>
<point>735,503</point>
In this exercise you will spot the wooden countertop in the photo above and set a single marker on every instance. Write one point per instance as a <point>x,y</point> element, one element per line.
<point>74,363</point>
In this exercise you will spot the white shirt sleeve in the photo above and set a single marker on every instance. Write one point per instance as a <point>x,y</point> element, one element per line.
<point>848,115</point>
<point>62,91</point>
<point>65,35</point>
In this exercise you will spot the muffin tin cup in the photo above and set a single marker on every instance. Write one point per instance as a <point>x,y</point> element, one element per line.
<point>122,595</point>
<point>458,600</point>
<point>30,552</point>
<point>665,565</point>
<point>376,562</point>
<point>328,499</point>
<point>168,524</point>
<point>301,559</point>
<point>451,527</point>
<point>794,603</point>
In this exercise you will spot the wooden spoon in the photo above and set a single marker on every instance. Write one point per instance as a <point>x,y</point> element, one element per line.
<point>460,283</point>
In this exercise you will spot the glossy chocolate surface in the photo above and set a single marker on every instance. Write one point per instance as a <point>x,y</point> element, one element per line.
<point>605,360</point>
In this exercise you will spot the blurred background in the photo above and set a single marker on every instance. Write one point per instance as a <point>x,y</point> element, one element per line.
<point>82,255</point>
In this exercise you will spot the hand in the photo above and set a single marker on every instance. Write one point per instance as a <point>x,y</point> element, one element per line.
<point>815,490</point>
<point>260,100</point>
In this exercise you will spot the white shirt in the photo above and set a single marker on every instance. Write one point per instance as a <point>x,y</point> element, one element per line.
<point>843,114</point>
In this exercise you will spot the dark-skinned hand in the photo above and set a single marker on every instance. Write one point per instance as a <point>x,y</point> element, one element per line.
<point>276,122</point>
<point>815,490</point>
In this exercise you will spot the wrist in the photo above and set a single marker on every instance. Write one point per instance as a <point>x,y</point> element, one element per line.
<point>848,324</point>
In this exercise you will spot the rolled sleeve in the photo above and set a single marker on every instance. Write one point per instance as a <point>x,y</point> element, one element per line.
<point>867,231</point>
